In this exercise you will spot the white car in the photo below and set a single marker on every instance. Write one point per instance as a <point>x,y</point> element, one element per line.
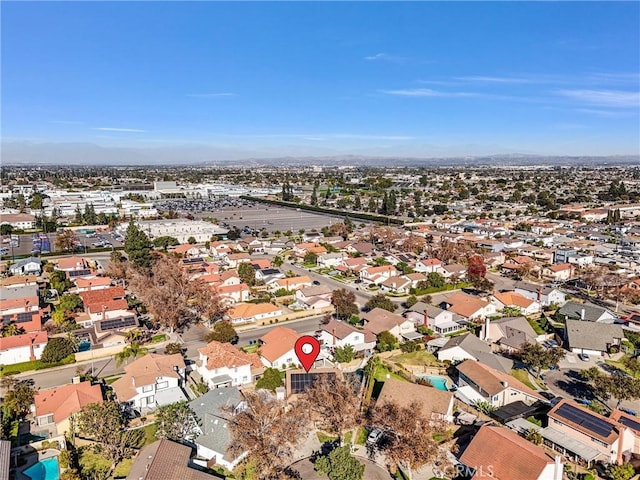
<point>374,436</point>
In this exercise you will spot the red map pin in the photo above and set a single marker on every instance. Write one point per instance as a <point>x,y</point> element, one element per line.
<point>307,349</point>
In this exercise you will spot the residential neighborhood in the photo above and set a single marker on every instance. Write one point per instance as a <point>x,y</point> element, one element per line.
<point>499,335</point>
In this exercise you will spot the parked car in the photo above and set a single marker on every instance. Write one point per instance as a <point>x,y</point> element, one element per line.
<point>316,282</point>
<point>584,357</point>
<point>374,436</point>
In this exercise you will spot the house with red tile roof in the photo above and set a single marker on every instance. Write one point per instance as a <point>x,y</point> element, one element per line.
<point>291,283</point>
<point>252,312</point>
<point>85,284</point>
<point>277,348</point>
<point>91,297</point>
<point>377,275</point>
<point>22,348</point>
<point>223,365</point>
<point>151,381</point>
<point>55,406</point>
<point>516,301</point>
<point>501,454</point>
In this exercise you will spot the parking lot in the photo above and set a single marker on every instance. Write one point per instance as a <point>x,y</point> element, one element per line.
<point>249,215</point>
<point>26,246</point>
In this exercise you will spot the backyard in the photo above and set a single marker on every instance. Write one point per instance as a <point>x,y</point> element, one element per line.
<point>419,358</point>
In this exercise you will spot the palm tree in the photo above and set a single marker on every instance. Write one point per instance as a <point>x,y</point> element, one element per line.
<point>131,351</point>
<point>11,329</point>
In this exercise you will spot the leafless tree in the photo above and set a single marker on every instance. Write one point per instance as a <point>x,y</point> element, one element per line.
<point>409,435</point>
<point>269,431</point>
<point>172,297</point>
<point>334,403</point>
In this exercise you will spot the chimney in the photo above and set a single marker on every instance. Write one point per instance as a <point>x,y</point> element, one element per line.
<point>32,353</point>
<point>487,326</point>
<point>334,336</point>
<point>89,287</point>
<point>557,468</point>
<point>426,318</point>
<point>621,430</point>
<point>104,312</point>
<point>505,384</point>
<point>539,295</point>
<point>582,314</point>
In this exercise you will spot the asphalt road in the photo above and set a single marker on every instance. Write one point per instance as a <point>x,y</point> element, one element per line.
<point>193,339</point>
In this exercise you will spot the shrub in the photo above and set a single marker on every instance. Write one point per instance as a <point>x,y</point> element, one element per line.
<point>57,349</point>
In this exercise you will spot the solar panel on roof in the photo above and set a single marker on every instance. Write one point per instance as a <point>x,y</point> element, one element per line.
<point>79,273</point>
<point>585,419</point>
<point>630,423</point>
<point>24,317</point>
<point>117,323</point>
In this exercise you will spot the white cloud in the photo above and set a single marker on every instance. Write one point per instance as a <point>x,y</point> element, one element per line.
<point>117,129</point>
<point>211,95</point>
<point>385,57</point>
<point>607,98</point>
<point>427,92</point>
<point>484,79</point>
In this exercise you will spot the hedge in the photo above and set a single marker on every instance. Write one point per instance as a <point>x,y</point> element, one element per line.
<point>331,211</point>
<point>35,365</point>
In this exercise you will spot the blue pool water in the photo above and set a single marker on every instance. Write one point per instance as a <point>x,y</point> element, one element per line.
<point>438,382</point>
<point>46,469</point>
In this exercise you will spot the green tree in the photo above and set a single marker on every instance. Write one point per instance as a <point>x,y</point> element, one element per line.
<point>89,215</point>
<point>247,273</point>
<point>6,229</point>
<point>436,280</point>
<point>386,341</point>
<point>137,247</point>
<point>277,261</point>
<point>621,472</point>
<point>11,329</point>
<point>340,465</point>
<point>70,302</point>
<point>411,301</point>
<point>59,282</point>
<point>36,201</point>
<point>344,354</point>
<point>270,380</point>
<point>536,357</point>
<point>130,351</point>
<point>380,301</point>
<point>18,397</point>
<point>165,242</point>
<point>222,332</point>
<point>191,240</point>
<point>177,422</point>
<point>311,258</point>
<point>78,215</point>
<point>56,349</point>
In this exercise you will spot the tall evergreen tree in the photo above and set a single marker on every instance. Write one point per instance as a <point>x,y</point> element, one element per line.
<point>137,246</point>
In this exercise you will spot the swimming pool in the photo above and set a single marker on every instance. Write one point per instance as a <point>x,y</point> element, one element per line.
<point>437,381</point>
<point>46,469</point>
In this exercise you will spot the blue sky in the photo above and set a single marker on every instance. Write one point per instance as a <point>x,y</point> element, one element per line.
<point>385,78</point>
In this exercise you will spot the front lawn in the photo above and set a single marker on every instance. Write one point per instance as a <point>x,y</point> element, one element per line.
<point>361,436</point>
<point>522,375</point>
<point>324,438</point>
<point>536,326</point>
<point>122,469</point>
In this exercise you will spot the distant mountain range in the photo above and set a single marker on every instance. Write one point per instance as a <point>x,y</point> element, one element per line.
<point>77,154</point>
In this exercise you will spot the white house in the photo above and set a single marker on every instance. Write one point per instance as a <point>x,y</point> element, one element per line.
<point>340,334</point>
<point>314,298</point>
<point>151,381</point>
<point>525,305</point>
<point>478,382</point>
<point>22,348</point>
<point>253,312</point>
<point>400,285</point>
<point>330,260</point>
<point>223,365</point>
<point>468,306</point>
<point>277,348</point>
<point>26,266</point>
<point>379,320</point>
<point>429,265</point>
<point>544,295</point>
<point>214,410</point>
<point>377,275</point>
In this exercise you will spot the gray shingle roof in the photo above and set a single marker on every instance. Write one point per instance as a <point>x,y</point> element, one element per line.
<point>210,409</point>
<point>592,313</point>
<point>591,335</point>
